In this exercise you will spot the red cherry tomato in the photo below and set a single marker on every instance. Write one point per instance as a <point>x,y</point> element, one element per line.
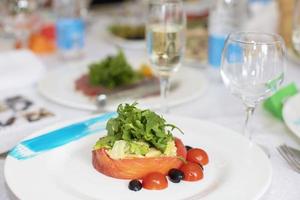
<point>155,181</point>
<point>197,156</point>
<point>192,171</point>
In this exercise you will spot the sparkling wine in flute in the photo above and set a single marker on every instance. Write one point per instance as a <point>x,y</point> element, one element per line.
<point>165,47</point>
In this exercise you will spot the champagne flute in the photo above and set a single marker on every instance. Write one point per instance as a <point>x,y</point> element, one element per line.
<point>253,67</point>
<point>165,35</point>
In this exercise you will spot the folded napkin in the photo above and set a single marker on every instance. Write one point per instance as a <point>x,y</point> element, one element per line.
<point>19,68</point>
<point>19,116</point>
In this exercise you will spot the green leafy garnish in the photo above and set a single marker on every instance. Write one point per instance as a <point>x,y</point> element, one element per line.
<point>141,129</point>
<point>112,72</point>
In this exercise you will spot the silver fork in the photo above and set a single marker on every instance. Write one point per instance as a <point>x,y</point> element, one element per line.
<point>292,159</point>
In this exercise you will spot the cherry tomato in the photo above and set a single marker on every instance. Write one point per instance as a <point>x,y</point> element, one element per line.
<point>192,171</point>
<point>155,181</point>
<point>197,156</point>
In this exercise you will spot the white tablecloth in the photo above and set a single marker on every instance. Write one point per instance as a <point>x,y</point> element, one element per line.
<point>216,105</point>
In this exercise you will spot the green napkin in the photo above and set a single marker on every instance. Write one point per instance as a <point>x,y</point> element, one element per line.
<point>275,103</point>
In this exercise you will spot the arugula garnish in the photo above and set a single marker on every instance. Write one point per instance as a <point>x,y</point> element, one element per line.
<point>112,72</point>
<point>134,124</point>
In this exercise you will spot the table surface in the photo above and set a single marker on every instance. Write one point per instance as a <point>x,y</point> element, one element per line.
<point>216,105</point>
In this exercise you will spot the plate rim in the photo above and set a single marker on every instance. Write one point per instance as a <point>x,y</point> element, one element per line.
<point>288,124</point>
<point>69,122</point>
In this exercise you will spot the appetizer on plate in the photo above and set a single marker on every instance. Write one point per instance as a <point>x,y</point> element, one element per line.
<point>139,145</point>
<point>128,31</point>
<point>111,75</point>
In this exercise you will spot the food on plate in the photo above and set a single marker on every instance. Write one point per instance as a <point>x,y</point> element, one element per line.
<point>175,175</point>
<point>138,142</point>
<point>128,31</point>
<point>112,74</point>
<point>140,145</point>
<point>192,171</point>
<point>155,181</point>
<point>198,156</point>
<point>135,185</point>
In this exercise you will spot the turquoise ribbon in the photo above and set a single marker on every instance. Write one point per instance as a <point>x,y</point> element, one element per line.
<point>51,140</point>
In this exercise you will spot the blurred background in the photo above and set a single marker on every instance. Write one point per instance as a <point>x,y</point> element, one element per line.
<point>39,25</point>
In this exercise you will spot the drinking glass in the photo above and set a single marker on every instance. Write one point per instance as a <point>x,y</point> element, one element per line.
<point>19,19</point>
<point>252,67</point>
<point>165,37</point>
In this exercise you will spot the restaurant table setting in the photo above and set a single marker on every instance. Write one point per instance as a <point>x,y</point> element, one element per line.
<point>49,125</point>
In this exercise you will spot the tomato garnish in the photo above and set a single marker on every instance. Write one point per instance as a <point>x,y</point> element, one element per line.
<point>155,181</point>
<point>198,156</point>
<point>192,171</point>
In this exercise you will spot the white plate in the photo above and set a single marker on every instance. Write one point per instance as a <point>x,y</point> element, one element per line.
<point>291,114</point>
<point>237,170</point>
<point>58,86</point>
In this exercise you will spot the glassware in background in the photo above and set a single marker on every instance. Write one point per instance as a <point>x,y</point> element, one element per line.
<point>225,16</point>
<point>253,67</point>
<point>19,18</point>
<point>165,35</point>
<point>84,9</point>
<point>296,28</point>
<point>70,28</point>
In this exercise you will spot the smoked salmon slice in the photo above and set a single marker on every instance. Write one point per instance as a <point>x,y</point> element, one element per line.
<point>137,168</point>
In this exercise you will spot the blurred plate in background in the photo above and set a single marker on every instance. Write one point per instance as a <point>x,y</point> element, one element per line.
<point>291,114</point>
<point>191,84</point>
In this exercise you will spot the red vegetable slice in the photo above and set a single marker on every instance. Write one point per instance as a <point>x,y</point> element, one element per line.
<point>197,156</point>
<point>137,168</point>
<point>155,181</point>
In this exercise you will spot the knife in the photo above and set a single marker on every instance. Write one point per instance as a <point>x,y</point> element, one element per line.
<point>59,137</point>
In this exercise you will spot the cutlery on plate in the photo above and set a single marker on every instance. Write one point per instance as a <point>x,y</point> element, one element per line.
<point>148,88</point>
<point>291,155</point>
<point>59,137</point>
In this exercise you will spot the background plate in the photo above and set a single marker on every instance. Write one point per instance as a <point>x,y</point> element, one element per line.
<point>291,114</point>
<point>62,90</point>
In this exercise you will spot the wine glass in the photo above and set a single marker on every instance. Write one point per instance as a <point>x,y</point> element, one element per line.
<point>253,67</point>
<point>165,37</point>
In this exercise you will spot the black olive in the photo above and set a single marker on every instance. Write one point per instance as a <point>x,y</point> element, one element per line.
<point>175,175</point>
<point>135,185</point>
<point>188,147</point>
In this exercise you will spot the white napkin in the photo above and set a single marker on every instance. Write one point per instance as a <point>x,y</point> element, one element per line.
<point>27,114</point>
<point>19,68</point>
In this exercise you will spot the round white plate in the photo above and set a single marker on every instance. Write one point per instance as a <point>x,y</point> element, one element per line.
<point>59,87</point>
<point>291,114</point>
<point>237,170</point>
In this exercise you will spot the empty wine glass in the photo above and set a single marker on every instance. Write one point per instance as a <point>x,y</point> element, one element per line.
<point>253,67</point>
<point>165,37</point>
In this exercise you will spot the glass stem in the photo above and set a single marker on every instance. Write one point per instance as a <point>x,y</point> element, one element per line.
<point>249,114</point>
<point>164,88</point>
